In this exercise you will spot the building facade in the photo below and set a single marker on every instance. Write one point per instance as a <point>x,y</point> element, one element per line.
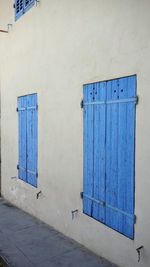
<point>74,80</point>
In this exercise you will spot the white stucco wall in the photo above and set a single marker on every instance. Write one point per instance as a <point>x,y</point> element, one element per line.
<point>53,50</point>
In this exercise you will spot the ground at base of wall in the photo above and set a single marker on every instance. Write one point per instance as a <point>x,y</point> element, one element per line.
<point>3,262</point>
<point>27,242</point>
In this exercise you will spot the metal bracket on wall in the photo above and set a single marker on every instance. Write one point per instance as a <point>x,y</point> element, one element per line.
<point>37,2</point>
<point>9,25</point>
<point>137,100</point>
<point>139,252</point>
<point>81,195</point>
<point>135,219</point>
<point>38,194</point>
<point>73,212</point>
<point>82,104</point>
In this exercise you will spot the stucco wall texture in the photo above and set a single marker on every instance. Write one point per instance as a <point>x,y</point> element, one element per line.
<point>53,50</point>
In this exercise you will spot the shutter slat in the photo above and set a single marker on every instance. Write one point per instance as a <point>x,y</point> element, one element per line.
<point>112,154</point>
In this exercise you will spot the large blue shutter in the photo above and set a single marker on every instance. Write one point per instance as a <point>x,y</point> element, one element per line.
<point>28,139</point>
<point>32,139</point>
<point>22,118</point>
<point>112,155</point>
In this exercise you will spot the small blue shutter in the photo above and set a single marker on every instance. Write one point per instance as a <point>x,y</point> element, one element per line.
<point>22,117</point>
<point>32,139</point>
<point>28,139</point>
<point>22,6</point>
<point>109,153</point>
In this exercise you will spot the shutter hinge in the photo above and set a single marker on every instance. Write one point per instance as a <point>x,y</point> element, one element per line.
<point>17,166</point>
<point>36,107</point>
<point>17,109</point>
<point>36,174</point>
<point>137,100</point>
<point>81,195</point>
<point>82,104</point>
<point>37,1</point>
<point>135,219</point>
<point>14,5</point>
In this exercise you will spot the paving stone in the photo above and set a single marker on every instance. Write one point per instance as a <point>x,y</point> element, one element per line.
<point>27,242</point>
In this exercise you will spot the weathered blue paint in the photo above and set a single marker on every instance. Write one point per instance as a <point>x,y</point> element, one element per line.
<point>22,6</point>
<point>28,139</point>
<point>109,153</point>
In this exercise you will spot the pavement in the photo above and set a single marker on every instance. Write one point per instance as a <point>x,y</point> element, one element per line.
<point>27,242</point>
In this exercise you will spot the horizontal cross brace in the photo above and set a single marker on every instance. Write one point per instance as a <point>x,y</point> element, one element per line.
<point>28,108</point>
<point>24,169</point>
<point>117,101</point>
<point>104,204</point>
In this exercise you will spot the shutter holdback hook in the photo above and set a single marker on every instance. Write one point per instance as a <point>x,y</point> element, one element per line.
<point>38,194</point>
<point>73,212</point>
<point>139,252</point>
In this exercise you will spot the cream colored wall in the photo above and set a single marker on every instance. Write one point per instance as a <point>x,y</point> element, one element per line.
<point>53,50</point>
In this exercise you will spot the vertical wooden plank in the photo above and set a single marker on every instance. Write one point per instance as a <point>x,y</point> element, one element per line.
<point>122,152</point>
<point>99,151</point>
<point>127,89</point>
<point>88,148</point>
<point>32,139</point>
<point>112,154</point>
<point>22,138</point>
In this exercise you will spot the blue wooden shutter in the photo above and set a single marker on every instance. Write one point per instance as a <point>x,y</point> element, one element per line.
<point>27,110</point>
<point>19,8</point>
<point>109,144</point>
<point>22,6</point>
<point>22,117</point>
<point>32,139</point>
